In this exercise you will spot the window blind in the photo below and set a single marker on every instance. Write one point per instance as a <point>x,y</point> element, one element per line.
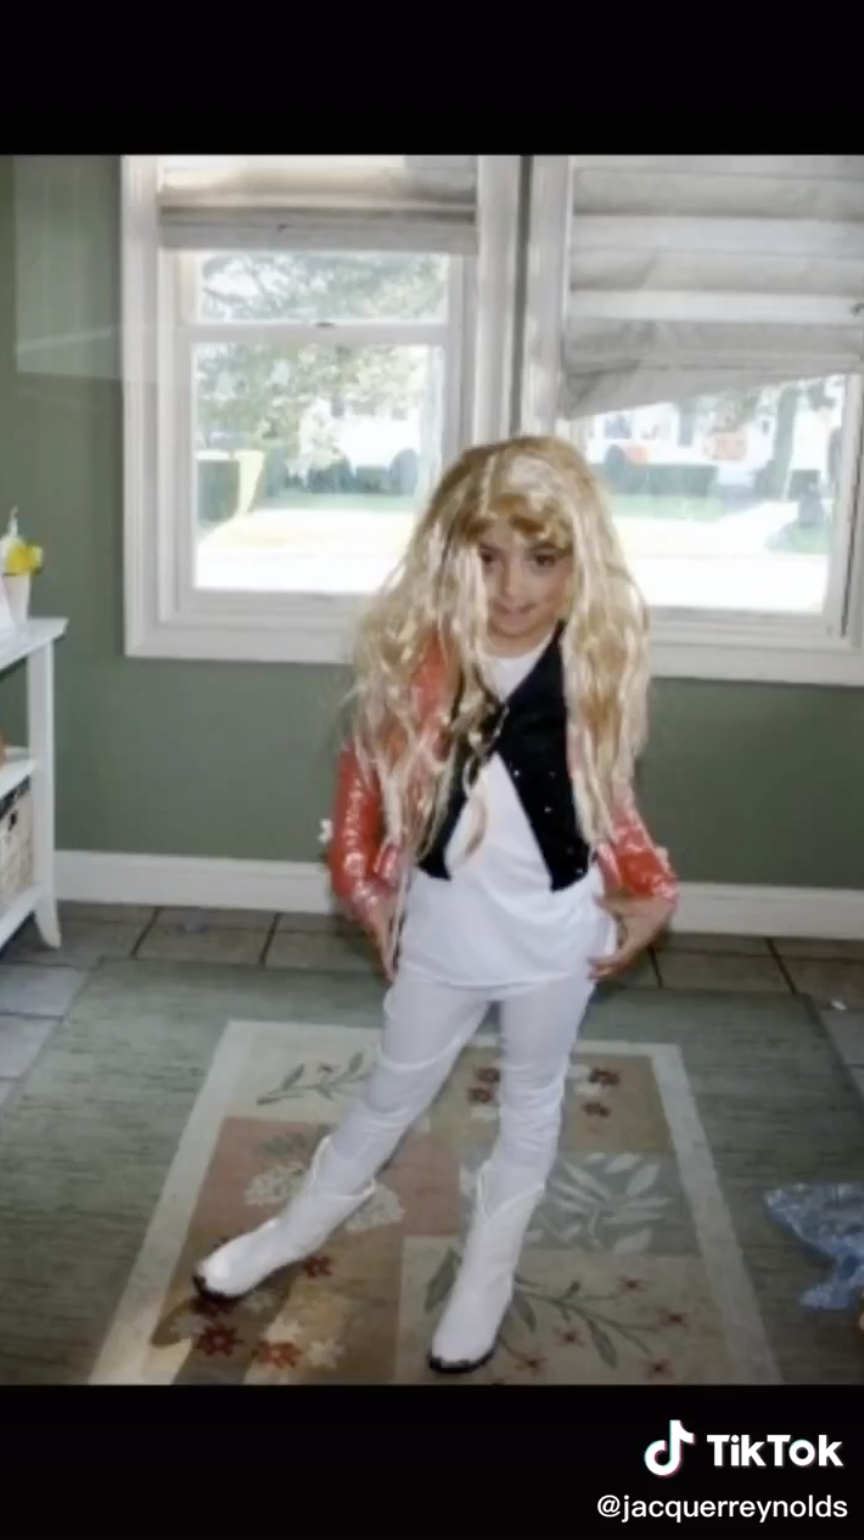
<point>695,274</point>
<point>319,202</point>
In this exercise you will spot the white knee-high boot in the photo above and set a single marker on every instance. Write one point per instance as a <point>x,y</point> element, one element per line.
<point>340,1179</point>
<point>305,1224</point>
<point>468,1330</point>
<point>510,1186</point>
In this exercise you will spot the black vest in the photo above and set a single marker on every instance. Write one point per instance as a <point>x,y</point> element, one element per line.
<point>529,732</point>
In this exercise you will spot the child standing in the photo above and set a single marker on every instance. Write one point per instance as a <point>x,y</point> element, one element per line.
<point>486,836</point>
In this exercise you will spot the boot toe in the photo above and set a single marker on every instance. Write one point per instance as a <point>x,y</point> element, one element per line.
<point>464,1341</point>
<point>460,1365</point>
<point>236,1268</point>
<point>468,1331</point>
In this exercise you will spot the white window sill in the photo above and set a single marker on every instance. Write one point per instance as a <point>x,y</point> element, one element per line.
<point>322,633</point>
<point>759,662</point>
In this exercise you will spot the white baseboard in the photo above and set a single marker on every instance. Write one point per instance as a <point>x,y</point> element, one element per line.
<point>302,887</point>
<point>829,914</point>
<point>198,882</point>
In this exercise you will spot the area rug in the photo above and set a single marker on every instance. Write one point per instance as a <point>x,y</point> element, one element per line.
<point>179,1104</point>
<point>631,1270</point>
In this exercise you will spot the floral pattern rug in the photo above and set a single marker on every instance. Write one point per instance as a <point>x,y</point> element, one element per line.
<point>631,1273</point>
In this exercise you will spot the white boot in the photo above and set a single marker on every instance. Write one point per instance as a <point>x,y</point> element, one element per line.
<point>468,1330</point>
<point>304,1225</point>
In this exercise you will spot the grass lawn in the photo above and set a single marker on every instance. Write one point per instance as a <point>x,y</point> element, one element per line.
<point>335,503</point>
<point>701,510</point>
<point>275,523</point>
<point>815,541</point>
<point>641,506</point>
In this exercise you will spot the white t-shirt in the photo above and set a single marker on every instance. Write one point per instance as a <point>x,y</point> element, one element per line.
<point>496,923</point>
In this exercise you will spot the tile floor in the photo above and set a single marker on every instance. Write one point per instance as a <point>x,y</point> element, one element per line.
<point>37,987</point>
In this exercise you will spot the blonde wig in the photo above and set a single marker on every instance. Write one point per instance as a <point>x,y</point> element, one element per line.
<point>436,602</point>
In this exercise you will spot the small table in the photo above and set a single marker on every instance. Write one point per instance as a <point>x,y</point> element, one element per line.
<point>35,763</point>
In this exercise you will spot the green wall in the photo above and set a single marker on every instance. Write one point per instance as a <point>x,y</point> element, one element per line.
<point>750,784</point>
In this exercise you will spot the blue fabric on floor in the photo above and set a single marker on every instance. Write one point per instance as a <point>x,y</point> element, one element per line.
<point>829,1217</point>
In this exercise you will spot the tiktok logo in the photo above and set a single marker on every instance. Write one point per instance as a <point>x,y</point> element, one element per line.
<point>663,1457</point>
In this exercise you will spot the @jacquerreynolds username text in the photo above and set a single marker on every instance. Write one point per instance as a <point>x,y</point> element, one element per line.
<point>626,1509</point>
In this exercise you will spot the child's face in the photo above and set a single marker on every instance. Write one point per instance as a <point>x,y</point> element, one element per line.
<point>527,587</point>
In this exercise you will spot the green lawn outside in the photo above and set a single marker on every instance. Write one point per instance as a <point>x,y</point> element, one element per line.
<point>803,541</point>
<point>706,509</point>
<point>374,527</point>
<point>337,502</point>
<point>703,509</point>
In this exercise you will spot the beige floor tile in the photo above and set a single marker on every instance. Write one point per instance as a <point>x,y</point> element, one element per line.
<point>84,943</point>
<point>121,914</point>
<point>734,946</point>
<point>702,970</point>
<point>21,1039</point>
<point>837,951</point>
<point>218,919</point>
<point>31,991</point>
<point>320,952</point>
<point>828,982</point>
<point>330,923</point>
<point>173,943</point>
<point>847,1032</point>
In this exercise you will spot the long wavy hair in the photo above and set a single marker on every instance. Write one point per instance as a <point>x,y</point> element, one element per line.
<point>434,608</point>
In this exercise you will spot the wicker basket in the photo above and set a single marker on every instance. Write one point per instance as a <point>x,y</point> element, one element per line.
<point>16,845</point>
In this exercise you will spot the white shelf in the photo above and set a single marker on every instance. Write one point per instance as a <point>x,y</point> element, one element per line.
<point>34,644</point>
<point>18,768</point>
<point>21,641</point>
<point>13,918</point>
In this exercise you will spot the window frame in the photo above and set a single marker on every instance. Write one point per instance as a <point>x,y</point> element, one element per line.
<point>700,644</point>
<point>166,616</point>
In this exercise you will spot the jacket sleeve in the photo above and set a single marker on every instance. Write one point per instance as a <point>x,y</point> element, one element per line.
<point>631,861</point>
<point>354,837</point>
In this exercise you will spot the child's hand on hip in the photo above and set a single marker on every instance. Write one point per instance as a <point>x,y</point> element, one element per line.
<point>639,921</point>
<point>380,926</point>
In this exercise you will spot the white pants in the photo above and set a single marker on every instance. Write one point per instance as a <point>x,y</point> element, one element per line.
<point>427,1025</point>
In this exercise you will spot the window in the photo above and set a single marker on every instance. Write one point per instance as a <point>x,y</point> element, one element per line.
<point>734,502</point>
<point>318,404</point>
<point>696,326</point>
<point>307,341</point>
